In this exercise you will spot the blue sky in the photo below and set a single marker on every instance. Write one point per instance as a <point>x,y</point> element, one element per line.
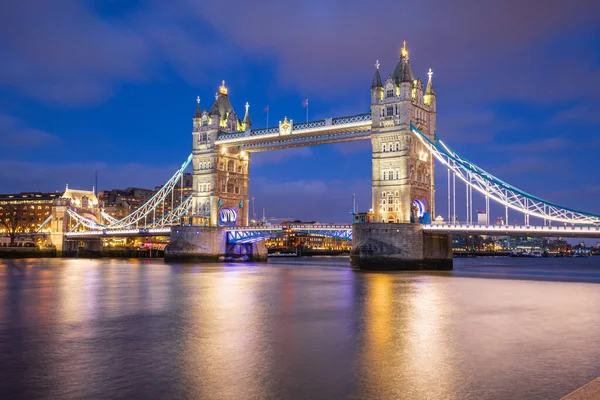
<point>111,86</point>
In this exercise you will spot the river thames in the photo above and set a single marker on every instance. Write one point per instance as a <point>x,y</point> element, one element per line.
<point>494,328</point>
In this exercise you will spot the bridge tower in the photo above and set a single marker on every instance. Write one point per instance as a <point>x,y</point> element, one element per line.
<point>220,174</point>
<point>403,175</point>
<point>220,195</point>
<point>403,178</point>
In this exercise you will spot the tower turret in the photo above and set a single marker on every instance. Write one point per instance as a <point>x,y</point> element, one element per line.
<point>429,98</point>
<point>377,85</point>
<point>197,119</point>
<point>247,123</point>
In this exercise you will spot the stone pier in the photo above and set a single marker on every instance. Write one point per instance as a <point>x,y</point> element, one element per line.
<point>209,244</point>
<point>390,247</point>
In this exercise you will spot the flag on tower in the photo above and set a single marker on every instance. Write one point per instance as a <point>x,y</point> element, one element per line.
<point>266,109</point>
<point>305,103</point>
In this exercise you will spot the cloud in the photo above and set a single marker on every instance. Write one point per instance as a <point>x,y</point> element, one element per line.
<point>468,126</point>
<point>576,115</point>
<point>277,156</point>
<point>60,52</point>
<point>16,176</point>
<point>310,200</point>
<point>63,51</point>
<point>532,166</point>
<point>355,146</point>
<point>536,146</point>
<point>332,44</point>
<point>14,133</point>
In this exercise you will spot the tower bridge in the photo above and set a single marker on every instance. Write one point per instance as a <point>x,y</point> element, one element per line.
<point>397,233</point>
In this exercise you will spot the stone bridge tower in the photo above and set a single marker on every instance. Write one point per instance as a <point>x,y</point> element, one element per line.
<point>220,174</point>
<point>403,188</point>
<point>403,176</point>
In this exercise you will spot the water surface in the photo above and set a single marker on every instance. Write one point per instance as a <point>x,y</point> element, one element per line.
<point>297,328</point>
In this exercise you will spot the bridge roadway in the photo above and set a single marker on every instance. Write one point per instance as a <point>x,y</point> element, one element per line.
<point>253,233</point>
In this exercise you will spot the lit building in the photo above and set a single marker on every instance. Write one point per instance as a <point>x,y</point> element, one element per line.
<point>119,203</point>
<point>308,242</point>
<point>30,209</point>
<point>482,218</point>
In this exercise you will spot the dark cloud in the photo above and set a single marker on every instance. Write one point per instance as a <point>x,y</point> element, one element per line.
<point>310,200</point>
<point>275,157</point>
<point>576,115</point>
<point>356,146</point>
<point>60,52</point>
<point>14,133</point>
<point>529,167</point>
<point>34,176</point>
<point>544,145</point>
<point>63,51</point>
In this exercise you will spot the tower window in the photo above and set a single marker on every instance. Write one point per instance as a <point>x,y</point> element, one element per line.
<point>383,147</point>
<point>390,111</point>
<point>389,93</point>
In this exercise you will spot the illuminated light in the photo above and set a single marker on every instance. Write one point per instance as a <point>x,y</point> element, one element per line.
<point>223,90</point>
<point>243,154</point>
<point>420,207</point>
<point>404,51</point>
<point>223,150</point>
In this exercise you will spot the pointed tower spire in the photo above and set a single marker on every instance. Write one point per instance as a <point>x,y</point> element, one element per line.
<point>403,71</point>
<point>430,90</point>
<point>247,122</point>
<point>198,113</point>
<point>377,78</point>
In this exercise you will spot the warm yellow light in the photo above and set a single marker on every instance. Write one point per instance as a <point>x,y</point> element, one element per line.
<point>223,150</point>
<point>243,154</point>
<point>223,90</point>
<point>404,51</point>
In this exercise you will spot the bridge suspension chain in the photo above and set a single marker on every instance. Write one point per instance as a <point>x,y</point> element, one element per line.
<point>142,212</point>
<point>500,191</point>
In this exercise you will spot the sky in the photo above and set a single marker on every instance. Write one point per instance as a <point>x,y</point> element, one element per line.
<point>110,86</point>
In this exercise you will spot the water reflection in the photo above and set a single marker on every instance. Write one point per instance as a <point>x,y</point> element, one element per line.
<point>291,329</point>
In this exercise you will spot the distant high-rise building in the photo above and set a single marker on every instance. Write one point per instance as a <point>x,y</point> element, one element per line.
<point>481,217</point>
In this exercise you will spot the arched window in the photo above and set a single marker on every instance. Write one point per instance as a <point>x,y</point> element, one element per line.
<point>383,175</point>
<point>391,175</point>
<point>397,146</point>
<point>230,166</point>
<point>383,147</point>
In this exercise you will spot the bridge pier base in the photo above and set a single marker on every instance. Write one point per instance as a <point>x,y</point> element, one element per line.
<point>209,244</point>
<point>396,247</point>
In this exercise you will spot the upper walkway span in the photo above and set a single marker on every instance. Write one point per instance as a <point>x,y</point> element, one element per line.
<point>289,134</point>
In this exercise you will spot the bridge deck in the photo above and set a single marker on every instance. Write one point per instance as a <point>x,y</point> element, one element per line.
<point>344,230</point>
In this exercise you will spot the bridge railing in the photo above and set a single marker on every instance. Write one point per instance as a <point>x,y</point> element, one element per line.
<point>288,227</point>
<point>120,232</point>
<point>513,228</point>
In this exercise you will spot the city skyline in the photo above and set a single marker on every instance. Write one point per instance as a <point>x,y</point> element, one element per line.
<point>517,98</point>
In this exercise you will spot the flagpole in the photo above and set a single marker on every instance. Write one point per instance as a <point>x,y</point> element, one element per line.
<point>307,111</point>
<point>267,116</point>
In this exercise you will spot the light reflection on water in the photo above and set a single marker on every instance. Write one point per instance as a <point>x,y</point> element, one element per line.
<point>297,328</point>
